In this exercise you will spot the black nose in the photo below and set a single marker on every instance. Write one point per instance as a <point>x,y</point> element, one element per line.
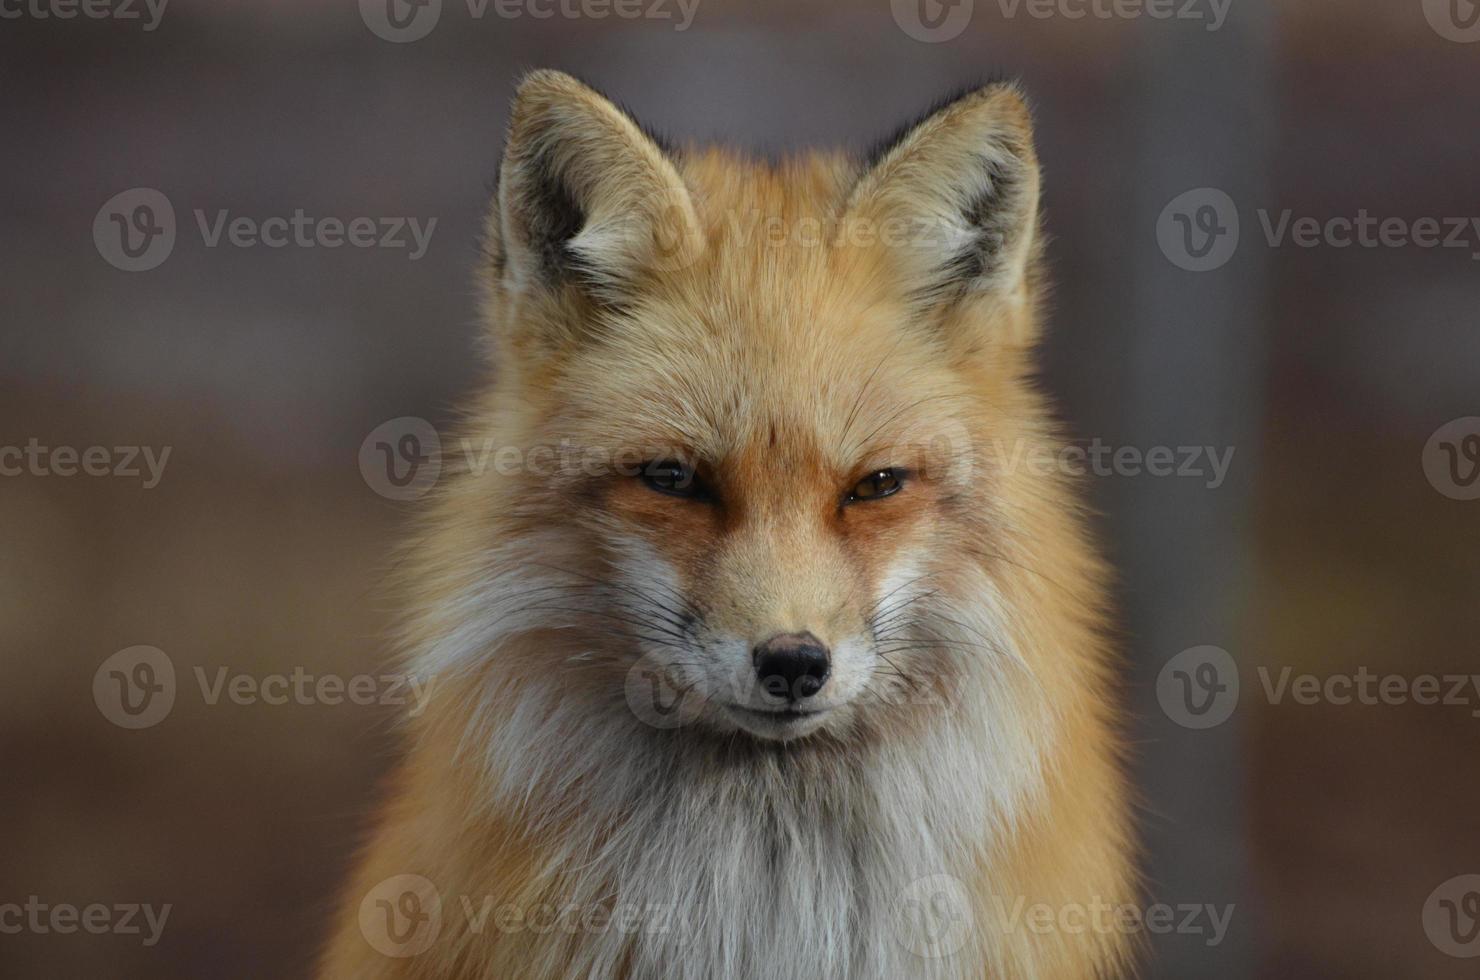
<point>792,665</point>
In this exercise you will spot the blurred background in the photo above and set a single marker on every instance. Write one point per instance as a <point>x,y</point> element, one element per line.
<point>1344,536</point>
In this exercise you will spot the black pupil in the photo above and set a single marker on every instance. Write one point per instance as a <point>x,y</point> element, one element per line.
<point>878,484</point>
<point>674,477</point>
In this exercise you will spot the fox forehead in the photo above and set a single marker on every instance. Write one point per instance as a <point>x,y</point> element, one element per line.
<point>838,391</point>
<point>772,340</point>
<point>762,217</point>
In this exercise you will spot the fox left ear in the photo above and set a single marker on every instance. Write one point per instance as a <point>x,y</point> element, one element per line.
<point>952,200</point>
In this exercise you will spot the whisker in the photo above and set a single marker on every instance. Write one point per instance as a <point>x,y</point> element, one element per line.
<point>680,617</point>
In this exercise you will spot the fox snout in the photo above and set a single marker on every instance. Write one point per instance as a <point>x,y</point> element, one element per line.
<point>792,667</point>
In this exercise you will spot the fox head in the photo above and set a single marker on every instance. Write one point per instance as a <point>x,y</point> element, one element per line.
<point>741,462</point>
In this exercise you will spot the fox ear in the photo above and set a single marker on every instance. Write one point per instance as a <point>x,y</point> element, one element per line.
<point>952,199</point>
<point>585,198</point>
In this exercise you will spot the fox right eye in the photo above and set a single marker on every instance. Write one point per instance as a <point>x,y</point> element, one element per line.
<point>673,478</point>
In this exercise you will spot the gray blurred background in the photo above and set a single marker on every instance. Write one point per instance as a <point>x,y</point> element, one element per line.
<point>1332,829</point>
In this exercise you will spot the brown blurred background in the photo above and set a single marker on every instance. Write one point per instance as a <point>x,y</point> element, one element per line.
<point>1328,827</point>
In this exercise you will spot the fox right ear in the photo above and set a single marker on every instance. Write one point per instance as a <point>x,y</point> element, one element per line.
<point>586,199</point>
<point>964,180</point>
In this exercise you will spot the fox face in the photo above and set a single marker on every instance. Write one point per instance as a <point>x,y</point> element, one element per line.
<point>790,469</point>
<point>764,391</point>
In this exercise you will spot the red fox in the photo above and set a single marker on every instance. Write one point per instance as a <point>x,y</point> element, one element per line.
<point>754,655</point>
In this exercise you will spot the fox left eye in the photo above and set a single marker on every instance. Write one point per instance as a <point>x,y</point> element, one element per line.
<point>876,485</point>
<point>673,478</point>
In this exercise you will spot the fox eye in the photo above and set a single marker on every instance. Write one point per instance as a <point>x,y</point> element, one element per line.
<point>879,484</point>
<point>673,478</point>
